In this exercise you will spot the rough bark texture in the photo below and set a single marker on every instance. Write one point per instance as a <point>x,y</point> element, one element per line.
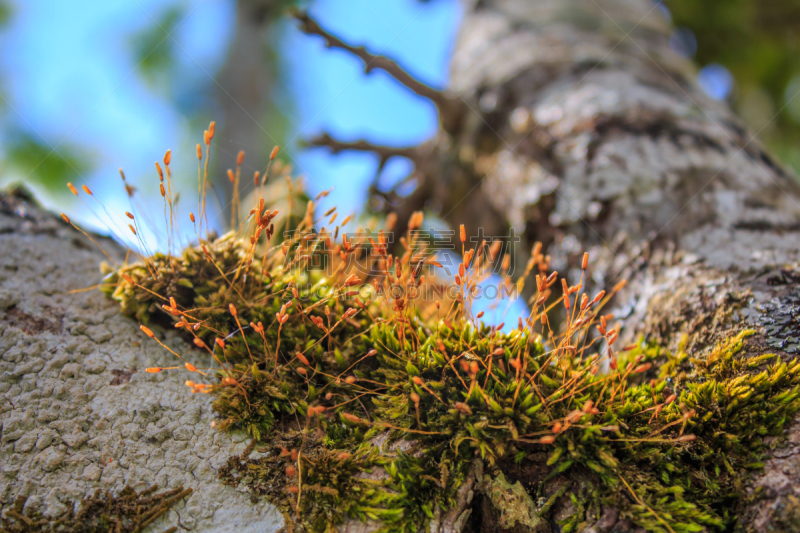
<point>78,411</point>
<point>592,135</point>
<point>582,129</point>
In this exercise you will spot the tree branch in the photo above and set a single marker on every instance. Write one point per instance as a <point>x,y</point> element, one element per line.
<point>450,109</point>
<point>384,152</point>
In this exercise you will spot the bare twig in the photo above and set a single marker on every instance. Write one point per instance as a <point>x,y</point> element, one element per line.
<point>385,152</point>
<point>450,109</point>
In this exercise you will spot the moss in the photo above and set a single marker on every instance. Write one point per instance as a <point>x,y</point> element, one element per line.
<point>129,512</point>
<point>374,408</point>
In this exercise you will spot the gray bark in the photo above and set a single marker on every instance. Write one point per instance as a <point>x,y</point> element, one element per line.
<point>78,411</point>
<point>588,131</point>
<point>245,84</point>
<point>580,128</point>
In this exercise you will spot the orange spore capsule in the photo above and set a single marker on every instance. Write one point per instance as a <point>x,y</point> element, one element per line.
<point>66,218</point>
<point>240,157</point>
<point>153,370</point>
<point>352,418</point>
<point>199,152</point>
<point>168,157</point>
<point>191,217</point>
<point>273,153</point>
<point>72,188</point>
<point>87,190</point>
<point>547,439</point>
<point>232,309</point>
<point>147,331</point>
<point>464,408</point>
<point>190,367</point>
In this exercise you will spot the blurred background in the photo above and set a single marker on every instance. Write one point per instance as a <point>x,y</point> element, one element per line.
<point>87,87</point>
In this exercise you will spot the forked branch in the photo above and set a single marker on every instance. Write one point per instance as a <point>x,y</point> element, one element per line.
<point>450,109</point>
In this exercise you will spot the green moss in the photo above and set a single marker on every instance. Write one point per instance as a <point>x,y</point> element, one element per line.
<point>384,419</point>
<point>129,512</point>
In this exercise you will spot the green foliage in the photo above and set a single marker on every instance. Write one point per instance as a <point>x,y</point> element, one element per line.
<point>154,48</point>
<point>49,166</point>
<point>756,42</point>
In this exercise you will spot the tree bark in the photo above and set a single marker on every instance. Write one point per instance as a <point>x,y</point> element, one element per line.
<point>78,412</point>
<point>244,86</point>
<point>588,131</point>
<point>579,127</point>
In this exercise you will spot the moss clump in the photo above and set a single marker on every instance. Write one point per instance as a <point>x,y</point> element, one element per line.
<point>375,408</point>
<point>129,512</point>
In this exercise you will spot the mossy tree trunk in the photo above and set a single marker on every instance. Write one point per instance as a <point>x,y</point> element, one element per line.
<point>574,121</point>
<point>593,136</point>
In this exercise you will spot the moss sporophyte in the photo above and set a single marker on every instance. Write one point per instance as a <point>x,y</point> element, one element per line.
<point>378,407</point>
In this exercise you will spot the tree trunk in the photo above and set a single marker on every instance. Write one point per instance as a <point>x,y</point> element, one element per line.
<point>588,131</point>
<point>78,412</point>
<point>593,136</point>
<point>245,84</point>
<point>574,123</point>
<point>580,125</point>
